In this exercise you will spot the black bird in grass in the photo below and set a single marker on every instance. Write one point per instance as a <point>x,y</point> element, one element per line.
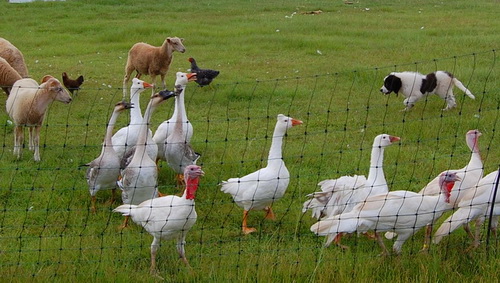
<point>71,84</point>
<point>203,76</point>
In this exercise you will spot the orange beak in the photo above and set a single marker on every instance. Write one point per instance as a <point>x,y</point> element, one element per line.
<point>394,139</point>
<point>147,85</point>
<point>191,77</point>
<point>296,122</point>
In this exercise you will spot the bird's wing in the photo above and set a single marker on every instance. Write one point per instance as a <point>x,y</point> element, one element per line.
<point>460,217</point>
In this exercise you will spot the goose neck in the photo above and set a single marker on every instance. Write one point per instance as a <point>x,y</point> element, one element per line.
<point>376,172</point>
<point>109,130</point>
<point>180,108</point>
<point>143,130</point>
<point>275,152</point>
<point>135,112</point>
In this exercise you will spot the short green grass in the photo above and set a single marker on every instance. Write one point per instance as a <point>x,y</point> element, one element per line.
<point>324,69</point>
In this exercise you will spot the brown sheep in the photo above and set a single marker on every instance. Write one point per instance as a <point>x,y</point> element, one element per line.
<point>8,76</point>
<point>151,60</point>
<point>27,105</point>
<point>15,58</point>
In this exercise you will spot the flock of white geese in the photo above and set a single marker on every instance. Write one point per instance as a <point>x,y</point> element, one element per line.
<point>346,205</point>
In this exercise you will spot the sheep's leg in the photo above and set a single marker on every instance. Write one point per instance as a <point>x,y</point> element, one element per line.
<point>128,72</point>
<point>18,141</point>
<point>153,82</point>
<point>162,76</point>
<point>36,142</point>
<point>31,145</point>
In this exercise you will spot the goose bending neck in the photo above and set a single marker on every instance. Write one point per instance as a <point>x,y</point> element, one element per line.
<point>109,131</point>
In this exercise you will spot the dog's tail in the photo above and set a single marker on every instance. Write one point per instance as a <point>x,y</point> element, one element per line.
<point>461,86</point>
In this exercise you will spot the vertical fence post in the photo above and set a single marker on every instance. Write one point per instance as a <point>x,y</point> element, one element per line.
<point>493,198</point>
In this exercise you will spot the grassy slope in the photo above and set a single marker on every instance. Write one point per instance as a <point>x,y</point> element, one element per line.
<point>47,230</point>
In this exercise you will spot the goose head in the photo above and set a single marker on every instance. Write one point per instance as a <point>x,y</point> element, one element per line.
<point>138,86</point>
<point>384,140</point>
<point>161,96</point>
<point>123,105</point>
<point>182,79</point>
<point>285,122</point>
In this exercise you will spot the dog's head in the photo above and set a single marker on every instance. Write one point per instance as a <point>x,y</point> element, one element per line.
<point>392,83</point>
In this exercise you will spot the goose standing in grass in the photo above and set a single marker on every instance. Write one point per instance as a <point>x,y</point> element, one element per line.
<point>404,212</point>
<point>476,205</point>
<point>342,194</point>
<point>260,189</point>
<point>168,217</point>
<point>103,171</point>
<point>126,138</point>
<point>173,136</point>
<point>140,178</point>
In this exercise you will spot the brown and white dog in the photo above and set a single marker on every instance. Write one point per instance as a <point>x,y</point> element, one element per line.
<point>414,86</point>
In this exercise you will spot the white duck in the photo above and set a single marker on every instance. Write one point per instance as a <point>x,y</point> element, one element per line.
<point>404,212</point>
<point>168,217</point>
<point>342,194</point>
<point>260,189</point>
<point>126,138</point>
<point>178,117</point>
<point>470,175</point>
<point>105,169</point>
<point>140,178</point>
<point>474,205</point>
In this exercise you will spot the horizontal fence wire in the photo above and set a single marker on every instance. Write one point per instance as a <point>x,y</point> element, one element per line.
<point>48,229</point>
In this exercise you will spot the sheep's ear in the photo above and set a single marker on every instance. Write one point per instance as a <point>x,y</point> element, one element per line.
<point>46,78</point>
<point>53,84</point>
<point>168,39</point>
<point>182,39</point>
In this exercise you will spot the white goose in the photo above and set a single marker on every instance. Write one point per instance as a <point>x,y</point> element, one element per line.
<point>404,212</point>
<point>105,169</point>
<point>179,116</point>
<point>342,194</point>
<point>126,138</point>
<point>470,175</point>
<point>334,197</point>
<point>139,179</point>
<point>474,205</point>
<point>168,217</point>
<point>260,189</point>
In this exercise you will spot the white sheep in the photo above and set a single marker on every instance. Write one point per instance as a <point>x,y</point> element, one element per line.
<point>14,56</point>
<point>27,105</point>
<point>8,76</point>
<point>151,60</point>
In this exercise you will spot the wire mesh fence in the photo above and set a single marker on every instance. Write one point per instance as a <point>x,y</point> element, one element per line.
<point>48,230</point>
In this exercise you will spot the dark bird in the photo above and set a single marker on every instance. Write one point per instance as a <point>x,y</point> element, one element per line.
<point>203,76</point>
<point>71,84</point>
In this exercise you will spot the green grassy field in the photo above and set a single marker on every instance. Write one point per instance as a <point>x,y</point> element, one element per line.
<point>274,57</point>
